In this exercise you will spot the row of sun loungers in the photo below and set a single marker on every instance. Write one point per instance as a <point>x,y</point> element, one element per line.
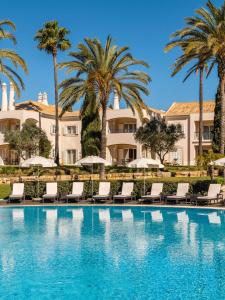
<point>155,195</point>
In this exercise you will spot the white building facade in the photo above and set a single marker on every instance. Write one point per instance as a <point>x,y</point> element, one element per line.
<point>121,126</point>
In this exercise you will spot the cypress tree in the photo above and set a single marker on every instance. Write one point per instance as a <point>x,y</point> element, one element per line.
<point>216,125</point>
<point>91,127</point>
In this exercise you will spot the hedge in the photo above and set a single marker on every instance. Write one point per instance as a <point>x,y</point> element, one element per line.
<point>197,185</point>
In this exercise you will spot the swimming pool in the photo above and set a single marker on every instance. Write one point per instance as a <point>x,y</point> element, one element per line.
<point>111,253</point>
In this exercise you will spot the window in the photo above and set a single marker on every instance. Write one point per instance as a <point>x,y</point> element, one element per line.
<point>71,156</point>
<point>71,130</point>
<point>176,157</point>
<point>2,128</point>
<point>207,132</point>
<point>129,128</point>
<point>52,129</point>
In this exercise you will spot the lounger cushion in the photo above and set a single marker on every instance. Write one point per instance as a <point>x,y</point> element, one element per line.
<point>206,198</point>
<point>50,196</point>
<point>16,196</point>
<point>123,196</point>
<point>101,196</point>
<point>150,196</point>
<point>176,197</point>
<point>74,196</point>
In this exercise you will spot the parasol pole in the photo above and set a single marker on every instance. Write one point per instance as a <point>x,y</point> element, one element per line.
<point>144,181</point>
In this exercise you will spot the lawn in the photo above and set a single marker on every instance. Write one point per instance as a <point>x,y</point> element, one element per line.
<point>5,190</point>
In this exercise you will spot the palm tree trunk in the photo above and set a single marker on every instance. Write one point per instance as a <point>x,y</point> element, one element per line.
<point>103,142</point>
<point>56,111</point>
<point>200,111</point>
<point>222,120</point>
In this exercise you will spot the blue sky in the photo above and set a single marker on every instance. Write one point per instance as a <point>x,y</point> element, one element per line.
<point>143,25</point>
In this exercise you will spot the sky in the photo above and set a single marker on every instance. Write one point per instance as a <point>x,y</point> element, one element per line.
<point>143,25</point>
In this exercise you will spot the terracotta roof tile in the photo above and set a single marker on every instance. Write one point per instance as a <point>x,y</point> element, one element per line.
<point>47,109</point>
<point>187,108</point>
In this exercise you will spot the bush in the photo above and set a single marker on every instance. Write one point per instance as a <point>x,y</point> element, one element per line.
<point>197,185</point>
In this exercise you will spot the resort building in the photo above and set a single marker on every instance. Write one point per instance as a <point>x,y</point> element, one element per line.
<point>121,125</point>
<point>187,114</point>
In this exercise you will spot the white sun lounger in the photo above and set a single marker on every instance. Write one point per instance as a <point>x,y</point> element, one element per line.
<point>77,192</point>
<point>17,192</point>
<point>127,192</point>
<point>155,195</point>
<point>213,195</point>
<point>51,192</point>
<point>103,192</point>
<point>181,195</point>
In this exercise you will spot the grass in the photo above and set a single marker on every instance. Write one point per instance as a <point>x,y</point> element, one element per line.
<point>5,190</point>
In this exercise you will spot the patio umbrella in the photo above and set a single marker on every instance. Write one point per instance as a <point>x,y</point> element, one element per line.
<point>92,160</point>
<point>144,163</point>
<point>38,161</point>
<point>219,162</point>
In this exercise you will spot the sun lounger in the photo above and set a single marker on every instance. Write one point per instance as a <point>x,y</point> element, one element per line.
<point>77,192</point>
<point>51,192</point>
<point>155,195</point>
<point>212,195</point>
<point>127,192</point>
<point>17,192</point>
<point>181,194</point>
<point>103,192</point>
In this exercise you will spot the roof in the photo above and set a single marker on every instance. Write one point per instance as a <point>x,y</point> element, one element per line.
<point>158,111</point>
<point>187,108</point>
<point>46,109</point>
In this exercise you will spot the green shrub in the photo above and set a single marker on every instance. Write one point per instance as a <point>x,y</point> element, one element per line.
<point>197,185</point>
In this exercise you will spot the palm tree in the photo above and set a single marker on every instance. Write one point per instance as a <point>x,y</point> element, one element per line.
<point>52,38</point>
<point>104,70</point>
<point>199,66</point>
<point>11,56</point>
<point>205,34</point>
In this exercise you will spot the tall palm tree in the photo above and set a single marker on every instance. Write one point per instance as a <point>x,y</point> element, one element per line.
<point>103,70</point>
<point>199,65</point>
<point>52,38</point>
<point>12,57</point>
<point>205,33</point>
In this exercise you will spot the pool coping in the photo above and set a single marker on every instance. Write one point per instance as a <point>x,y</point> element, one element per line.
<point>111,205</point>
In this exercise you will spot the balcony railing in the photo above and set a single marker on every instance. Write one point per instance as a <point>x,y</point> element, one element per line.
<point>206,136</point>
<point>122,130</point>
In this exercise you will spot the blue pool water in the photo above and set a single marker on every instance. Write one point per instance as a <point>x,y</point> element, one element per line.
<point>111,253</point>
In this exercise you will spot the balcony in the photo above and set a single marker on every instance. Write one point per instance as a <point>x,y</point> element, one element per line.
<point>206,136</point>
<point>131,130</point>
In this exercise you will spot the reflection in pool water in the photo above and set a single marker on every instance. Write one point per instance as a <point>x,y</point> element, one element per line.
<point>111,253</point>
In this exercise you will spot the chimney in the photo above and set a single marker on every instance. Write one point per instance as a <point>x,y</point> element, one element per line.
<point>4,97</point>
<point>11,97</point>
<point>45,98</point>
<point>40,97</point>
<point>116,101</point>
